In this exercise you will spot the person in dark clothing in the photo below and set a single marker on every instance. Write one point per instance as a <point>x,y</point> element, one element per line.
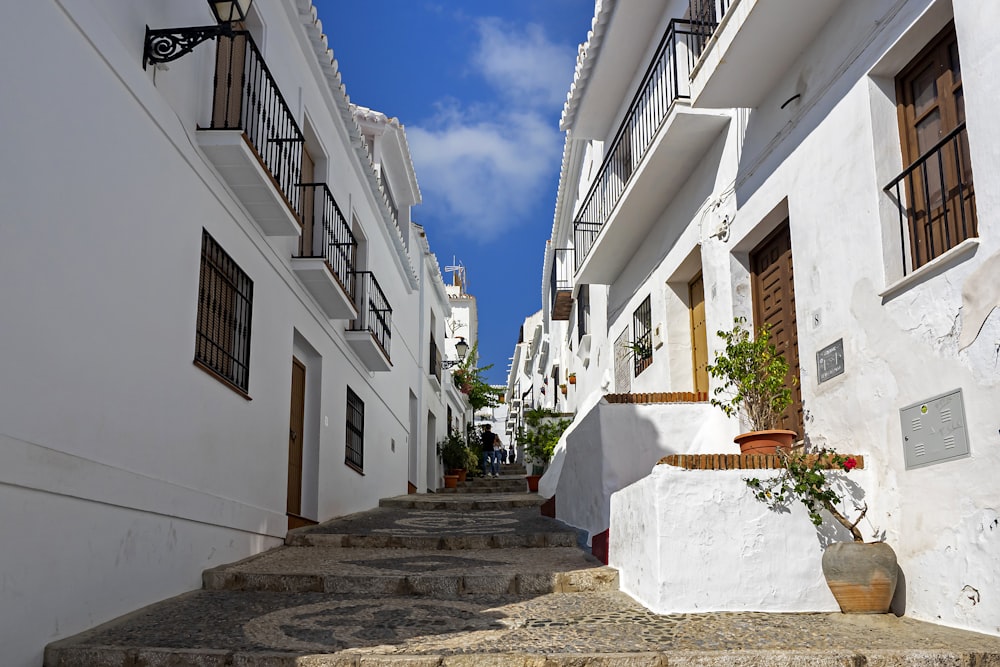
<point>487,448</point>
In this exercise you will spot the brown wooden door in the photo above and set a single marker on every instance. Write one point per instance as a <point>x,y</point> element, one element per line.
<point>940,192</point>
<point>699,334</point>
<point>307,204</point>
<point>774,304</point>
<point>230,80</point>
<point>295,426</point>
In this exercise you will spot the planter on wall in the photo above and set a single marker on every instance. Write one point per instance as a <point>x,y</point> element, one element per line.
<point>765,442</point>
<point>862,577</point>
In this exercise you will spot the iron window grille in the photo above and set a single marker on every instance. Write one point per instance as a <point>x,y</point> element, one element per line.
<point>582,312</point>
<point>642,343</point>
<point>355,451</point>
<point>225,304</point>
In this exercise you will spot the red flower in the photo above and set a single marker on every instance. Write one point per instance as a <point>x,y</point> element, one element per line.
<point>850,463</point>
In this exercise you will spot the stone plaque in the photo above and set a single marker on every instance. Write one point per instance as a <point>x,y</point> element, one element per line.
<point>830,361</point>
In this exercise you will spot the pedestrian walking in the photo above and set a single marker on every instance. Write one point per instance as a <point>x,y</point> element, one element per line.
<point>497,450</point>
<point>487,438</point>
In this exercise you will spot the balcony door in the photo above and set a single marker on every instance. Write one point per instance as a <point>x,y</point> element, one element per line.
<point>307,204</point>
<point>941,208</point>
<point>774,305</point>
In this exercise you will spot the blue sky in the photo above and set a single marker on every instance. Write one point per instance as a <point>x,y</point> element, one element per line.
<point>479,86</point>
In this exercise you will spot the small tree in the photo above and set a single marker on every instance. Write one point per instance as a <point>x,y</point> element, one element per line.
<point>469,379</point>
<point>753,374</point>
<point>545,427</point>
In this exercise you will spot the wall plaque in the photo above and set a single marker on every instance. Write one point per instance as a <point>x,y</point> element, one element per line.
<point>830,361</point>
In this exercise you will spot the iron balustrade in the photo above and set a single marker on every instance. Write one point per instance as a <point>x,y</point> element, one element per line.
<point>936,200</point>
<point>374,313</point>
<point>705,16</point>
<point>665,81</point>
<point>327,234</point>
<point>642,343</point>
<point>247,98</point>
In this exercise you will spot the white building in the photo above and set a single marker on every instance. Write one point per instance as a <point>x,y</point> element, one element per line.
<point>218,318</point>
<point>711,145</point>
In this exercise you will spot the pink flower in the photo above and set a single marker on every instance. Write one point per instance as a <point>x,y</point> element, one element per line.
<point>850,463</point>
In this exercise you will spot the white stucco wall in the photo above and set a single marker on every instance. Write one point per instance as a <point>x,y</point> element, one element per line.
<point>610,446</point>
<point>695,541</point>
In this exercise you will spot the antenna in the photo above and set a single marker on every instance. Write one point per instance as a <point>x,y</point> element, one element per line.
<point>457,271</point>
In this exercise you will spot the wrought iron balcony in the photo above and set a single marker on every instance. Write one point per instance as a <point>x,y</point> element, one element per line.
<point>327,251</point>
<point>705,16</point>
<point>936,200</point>
<point>370,332</point>
<point>654,108</point>
<point>561,287</point>
<point>253,138</point>
<point>383,180</point>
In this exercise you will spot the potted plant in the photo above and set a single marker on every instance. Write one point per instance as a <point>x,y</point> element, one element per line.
<point>572,378</point>
<point>455,456</point>
<point>753,386</point>
<point>545,427</point>
<point>861,575</point>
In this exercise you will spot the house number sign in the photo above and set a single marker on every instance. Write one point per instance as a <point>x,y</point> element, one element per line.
<point>830,361</point>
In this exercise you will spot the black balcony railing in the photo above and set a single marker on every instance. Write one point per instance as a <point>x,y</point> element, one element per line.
<point>561,285</point>
<point>666,80</point>
<point>936,200</point>
<point>374,313</point>
<point>247,99</point>
<point>705,16</point>
<point>327,234</point>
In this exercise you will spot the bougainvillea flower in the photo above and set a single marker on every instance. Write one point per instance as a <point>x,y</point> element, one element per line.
<point>850,463</point>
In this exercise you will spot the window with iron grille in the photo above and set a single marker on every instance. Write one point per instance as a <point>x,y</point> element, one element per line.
<point>935,191</point>
<point>355,456</point>
<point>582,312</point>
<point>642,343</point>
<point>225,300</point>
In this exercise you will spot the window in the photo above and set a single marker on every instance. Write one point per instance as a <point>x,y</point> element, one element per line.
<point>355,457</point>
<point>583,312</point>
<point>225,300</point>
<point>642,344</point>
<point>936,185</point>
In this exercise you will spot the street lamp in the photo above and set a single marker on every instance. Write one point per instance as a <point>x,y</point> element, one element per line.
<point>169,44</point>
<point>461,349</point>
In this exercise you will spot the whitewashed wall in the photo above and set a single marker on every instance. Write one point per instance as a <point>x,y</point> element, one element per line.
<point>695,541</point>
<point>125,470</point>
<point>609,446</point>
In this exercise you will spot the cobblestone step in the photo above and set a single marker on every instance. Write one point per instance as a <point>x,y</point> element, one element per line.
<point>463,502</point>
<point>434,573</point>
<point>390,528</point>
<point>599,629</point>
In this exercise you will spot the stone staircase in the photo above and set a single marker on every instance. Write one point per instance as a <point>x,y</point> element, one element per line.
<point>467,580</point>
<point>511,480</point>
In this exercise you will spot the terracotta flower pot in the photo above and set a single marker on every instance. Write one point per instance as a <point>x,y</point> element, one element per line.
<point>451,481</point>
<point>764,442</point>
<point>862,577</point>
<point>533,482</point>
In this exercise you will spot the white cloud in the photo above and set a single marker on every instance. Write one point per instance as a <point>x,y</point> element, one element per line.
<point>529,67</point>
<point>484,168</point>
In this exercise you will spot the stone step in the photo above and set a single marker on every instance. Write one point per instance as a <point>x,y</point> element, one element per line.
<point>497,528</point>
<point>463,502</point>
<point>433,573</point>
<point>606,629</point>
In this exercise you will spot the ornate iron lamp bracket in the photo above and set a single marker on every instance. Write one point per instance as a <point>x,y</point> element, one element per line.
<point>169,44</point>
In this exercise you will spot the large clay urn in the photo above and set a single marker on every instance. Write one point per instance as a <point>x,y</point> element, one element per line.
<point>765,442</point>
<point>862,577</point>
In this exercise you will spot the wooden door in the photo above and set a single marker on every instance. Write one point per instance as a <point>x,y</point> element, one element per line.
<point>774,304</point>
<point>307,204</point>
<point>230,80</point>
<point>940,191</point>
<point>699,334</point>
<point>295,427</point>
